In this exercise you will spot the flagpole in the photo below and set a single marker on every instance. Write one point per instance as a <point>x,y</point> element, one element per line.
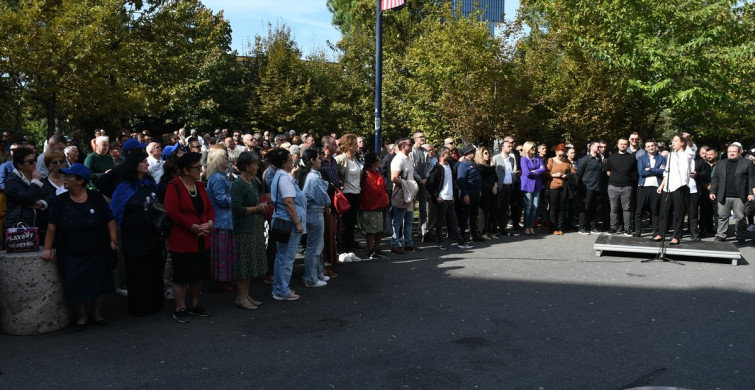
<point>378,76</point>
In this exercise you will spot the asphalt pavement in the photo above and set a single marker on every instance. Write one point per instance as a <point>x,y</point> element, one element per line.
<point>513,313</point>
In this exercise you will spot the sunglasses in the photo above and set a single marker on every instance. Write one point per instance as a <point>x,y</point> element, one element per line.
<point>58,162</point>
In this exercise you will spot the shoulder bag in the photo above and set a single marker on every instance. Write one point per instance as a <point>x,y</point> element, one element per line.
<point>281,228</point>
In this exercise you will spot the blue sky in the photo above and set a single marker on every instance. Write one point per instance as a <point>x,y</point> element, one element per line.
<point>310,20</point>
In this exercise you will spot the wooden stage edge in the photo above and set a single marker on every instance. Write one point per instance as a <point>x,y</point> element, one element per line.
<point>719,250</point>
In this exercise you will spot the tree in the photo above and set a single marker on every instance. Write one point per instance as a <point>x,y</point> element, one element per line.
<point>115,59</point>
<point>613,67</point>
<point>61,55</point>
<point>453,78</point>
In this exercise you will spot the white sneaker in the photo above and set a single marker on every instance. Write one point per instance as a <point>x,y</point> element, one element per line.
<point>751,228</point>
<point>344,258</point>
<point>354,257</point>
<point>325,278</point>
<point>122,291</point>
<point>320,283</point>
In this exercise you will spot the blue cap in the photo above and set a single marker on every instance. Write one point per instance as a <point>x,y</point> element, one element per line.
<point>77,169</point>
<point>168,150</point>
<point>132,144</point>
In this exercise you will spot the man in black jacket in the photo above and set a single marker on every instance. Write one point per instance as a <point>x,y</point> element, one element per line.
<point>441,187</point>
<point>732,186</point>
<point>589,172</point>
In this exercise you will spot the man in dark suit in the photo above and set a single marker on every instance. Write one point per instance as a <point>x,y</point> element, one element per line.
<point>732,186</point>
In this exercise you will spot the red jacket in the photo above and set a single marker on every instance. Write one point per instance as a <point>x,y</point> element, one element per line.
<point>180,209</point>
<point>374,196</point>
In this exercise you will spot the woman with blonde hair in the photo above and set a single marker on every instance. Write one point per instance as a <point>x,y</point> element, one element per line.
<point>488,197</point>
<point>351,177</point>
<point>531,184</point>
<point>222,243</point>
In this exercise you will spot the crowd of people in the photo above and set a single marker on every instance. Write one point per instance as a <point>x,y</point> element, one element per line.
<point>241,207</point>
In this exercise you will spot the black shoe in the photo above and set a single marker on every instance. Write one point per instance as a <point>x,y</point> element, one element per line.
<point>182,316</point>
<point>100,322</point>
<point>695,238</point>
<point>740,241</point>
<point>478,239</point>
<point>719,239</point>
<point>441,247</point>
<point>636,234</point>
<point>628,233</point>
<point>613,231</point>
<point>198,311</point>
<point>584,232</point>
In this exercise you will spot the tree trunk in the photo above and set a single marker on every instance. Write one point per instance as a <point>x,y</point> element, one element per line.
<point>52,122</point>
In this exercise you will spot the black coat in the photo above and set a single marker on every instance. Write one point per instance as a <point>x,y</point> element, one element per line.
<point>436,180</point>
<point>745,179</point>
<point>19,197</point>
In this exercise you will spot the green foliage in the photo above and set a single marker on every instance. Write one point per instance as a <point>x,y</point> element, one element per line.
<point>608,68</point>
<point>111,59</point>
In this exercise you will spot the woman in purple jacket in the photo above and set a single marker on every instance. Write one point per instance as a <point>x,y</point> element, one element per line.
<point>531,184</point>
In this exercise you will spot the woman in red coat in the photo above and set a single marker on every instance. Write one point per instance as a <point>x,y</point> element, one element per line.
<point>373,200</point>
<point>191,213</point>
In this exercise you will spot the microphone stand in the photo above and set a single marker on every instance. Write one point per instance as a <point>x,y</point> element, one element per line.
<point>662,250</point>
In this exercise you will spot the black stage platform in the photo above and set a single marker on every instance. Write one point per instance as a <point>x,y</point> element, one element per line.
<point>719,250</point>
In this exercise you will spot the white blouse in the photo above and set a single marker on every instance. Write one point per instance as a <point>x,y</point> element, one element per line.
<point>679,166</point>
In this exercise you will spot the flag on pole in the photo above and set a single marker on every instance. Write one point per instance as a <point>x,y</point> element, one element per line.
<point>388,4</point>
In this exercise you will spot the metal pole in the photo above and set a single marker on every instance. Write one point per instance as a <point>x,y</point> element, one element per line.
<point>378,76</point>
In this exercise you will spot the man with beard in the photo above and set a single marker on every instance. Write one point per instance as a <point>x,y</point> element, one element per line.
<point>732,186</point>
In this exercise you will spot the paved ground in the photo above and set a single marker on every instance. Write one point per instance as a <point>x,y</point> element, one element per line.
<point>538,313</point>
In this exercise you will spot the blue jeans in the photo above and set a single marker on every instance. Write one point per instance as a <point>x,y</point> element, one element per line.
<point>405,218</point>
<point>530,207</point>
<point>315,236</point>
<point>284,263</point>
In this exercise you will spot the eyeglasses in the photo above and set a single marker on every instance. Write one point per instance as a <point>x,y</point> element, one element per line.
<point>58,162</point>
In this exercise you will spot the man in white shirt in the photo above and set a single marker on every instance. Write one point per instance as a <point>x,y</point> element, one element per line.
<point>154,160</point>
<point>402,169</point>
<point>507,173</point>
<point>441,186</point>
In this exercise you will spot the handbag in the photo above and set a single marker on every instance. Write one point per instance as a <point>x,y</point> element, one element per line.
<point>340,203</point>
<point>264,198</point>
<point>159,222</point>
<point>280,229</point>
<point>21,238</point>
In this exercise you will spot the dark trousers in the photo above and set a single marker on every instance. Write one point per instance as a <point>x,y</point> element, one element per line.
<point>445,215</point>
<point>349,220</point>
<point>467,215</point>
<point>489,208</point>
<point>558,208</point>
<point>648,200</point>
<point>504,205</point>
<point>587,206</point>
<point>706,212</point>
<point>605,207</point>
<point>675,202</point>
<point>517,206</point>
<point>694,203</point>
